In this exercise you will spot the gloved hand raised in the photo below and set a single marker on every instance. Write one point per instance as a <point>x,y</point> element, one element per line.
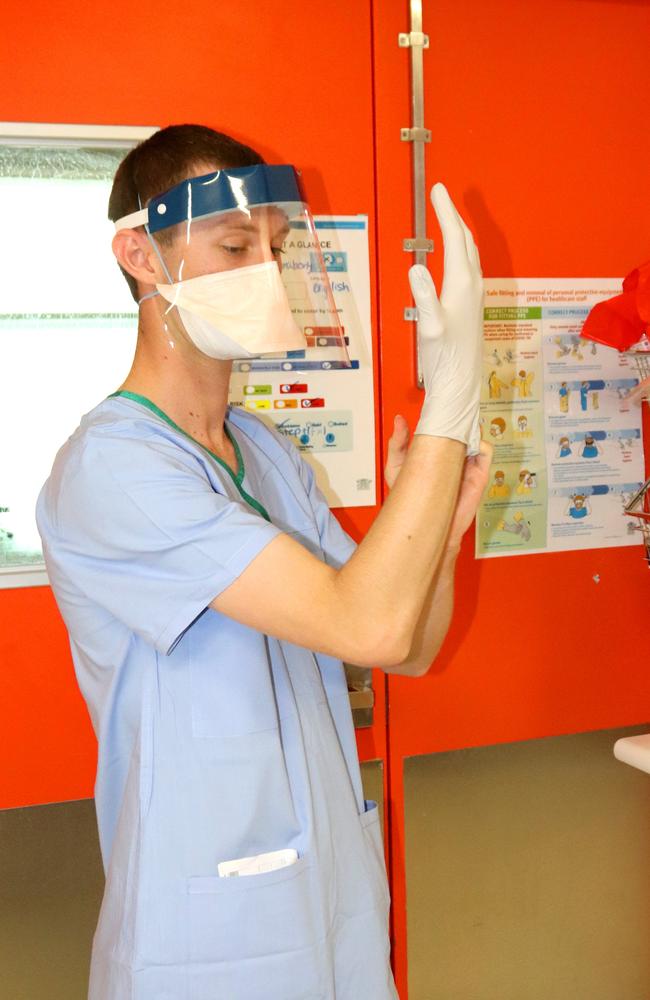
<point>450,330</point>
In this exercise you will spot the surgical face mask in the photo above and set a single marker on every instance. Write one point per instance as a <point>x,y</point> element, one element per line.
<point>255,310</point>
<point>236,314</point>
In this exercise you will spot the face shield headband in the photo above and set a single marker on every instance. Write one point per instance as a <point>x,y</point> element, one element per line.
<point>243,312</point>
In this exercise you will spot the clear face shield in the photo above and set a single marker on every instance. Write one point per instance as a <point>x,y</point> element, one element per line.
<point>245,271</point>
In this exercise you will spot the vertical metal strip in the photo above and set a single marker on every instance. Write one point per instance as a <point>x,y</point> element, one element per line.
<point>418,136</point>
<point>419,197</point>
<point>417,102</point>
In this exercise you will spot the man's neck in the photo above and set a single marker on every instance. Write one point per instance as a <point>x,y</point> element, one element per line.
<point>191,388</point>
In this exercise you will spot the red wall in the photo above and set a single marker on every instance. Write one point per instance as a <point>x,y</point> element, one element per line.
<point>281,80</point>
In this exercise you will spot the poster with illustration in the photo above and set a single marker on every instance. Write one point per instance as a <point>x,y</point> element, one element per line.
<point>324,409</point>
<point>568,448</point>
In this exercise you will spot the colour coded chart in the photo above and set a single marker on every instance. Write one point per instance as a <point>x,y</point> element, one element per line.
<point>323,406</point>
<point>305,418</point>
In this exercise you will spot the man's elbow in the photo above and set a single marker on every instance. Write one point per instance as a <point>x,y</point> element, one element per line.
<point>409,668</point>
<point>382,647</point>
<point>393,654</point>
<point>417,662</point>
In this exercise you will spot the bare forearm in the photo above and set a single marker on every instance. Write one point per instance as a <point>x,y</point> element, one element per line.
<point>368,611</point>
<point>390,575</point>
<point>433,622</point>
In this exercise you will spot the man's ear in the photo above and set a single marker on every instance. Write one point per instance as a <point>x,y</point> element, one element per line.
<point>136,256</point>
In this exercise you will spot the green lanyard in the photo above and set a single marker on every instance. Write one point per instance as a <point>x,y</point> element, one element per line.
<point>237,477</point>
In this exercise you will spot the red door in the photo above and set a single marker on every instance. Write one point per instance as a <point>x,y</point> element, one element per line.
<point>537,115</point>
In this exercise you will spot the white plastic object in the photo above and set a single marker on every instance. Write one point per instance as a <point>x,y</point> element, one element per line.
<point>258,863</point>
<point>634,750</point>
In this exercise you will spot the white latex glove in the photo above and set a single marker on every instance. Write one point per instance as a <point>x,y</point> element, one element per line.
<point>450,331</point>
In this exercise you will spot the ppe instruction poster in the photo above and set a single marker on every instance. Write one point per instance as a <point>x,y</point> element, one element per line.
<point>326,410</point>
<point>568,450</point>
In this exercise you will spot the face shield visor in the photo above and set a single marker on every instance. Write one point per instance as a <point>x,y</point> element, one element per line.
<point>244,266</point>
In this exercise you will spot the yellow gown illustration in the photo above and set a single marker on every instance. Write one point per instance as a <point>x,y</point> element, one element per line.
<point>524,484</point>
<point>564,393</point>
<point>499,490</point>
<point>495,385</point>
<point>523,383</point>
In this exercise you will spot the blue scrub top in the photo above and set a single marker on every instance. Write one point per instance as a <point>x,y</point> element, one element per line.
<point>215,742</point>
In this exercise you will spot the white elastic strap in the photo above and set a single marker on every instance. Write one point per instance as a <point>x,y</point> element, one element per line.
<point>140,218</point>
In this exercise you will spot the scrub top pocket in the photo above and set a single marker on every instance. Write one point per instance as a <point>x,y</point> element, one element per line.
<point>371,829</point>
<point>256,932</point>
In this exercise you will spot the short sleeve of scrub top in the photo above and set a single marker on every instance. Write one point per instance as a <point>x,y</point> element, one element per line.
<point>146,535</point>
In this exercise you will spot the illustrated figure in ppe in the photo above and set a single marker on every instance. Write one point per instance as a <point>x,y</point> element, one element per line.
<point>564,394</point>
<point>495,386</point>
<point>590,449</point>
<point>182,538</point>
<point>578,507</point>
<point>576,345</point>
<point>497,427</point>
<point>563,348</point>
<point>523,430</point>
<point>523,382</point>
<point>499,488</point>
<point>523,485</point>
<point>518,526</point>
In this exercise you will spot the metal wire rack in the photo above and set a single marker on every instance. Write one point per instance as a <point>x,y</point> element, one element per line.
<point>639,506</point>
<point>639,355</point>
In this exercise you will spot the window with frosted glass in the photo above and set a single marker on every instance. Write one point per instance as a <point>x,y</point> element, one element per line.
<point>67,320</point>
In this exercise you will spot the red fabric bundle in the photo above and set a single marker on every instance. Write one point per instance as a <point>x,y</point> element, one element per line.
<point>621,321</point>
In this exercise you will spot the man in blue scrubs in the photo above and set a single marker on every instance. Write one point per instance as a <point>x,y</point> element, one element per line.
<point>210,597</point>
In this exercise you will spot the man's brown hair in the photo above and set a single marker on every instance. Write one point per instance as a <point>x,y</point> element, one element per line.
<point>165,159</point>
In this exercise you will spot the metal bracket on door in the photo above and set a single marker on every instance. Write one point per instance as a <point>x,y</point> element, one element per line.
<point>419,136</point>
<point>418,245</point>
<point>415,135</point>
<point>411,39</point>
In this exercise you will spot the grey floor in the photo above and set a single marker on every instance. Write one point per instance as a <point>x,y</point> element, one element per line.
<point>528,872</point>
<point>51,884</point>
